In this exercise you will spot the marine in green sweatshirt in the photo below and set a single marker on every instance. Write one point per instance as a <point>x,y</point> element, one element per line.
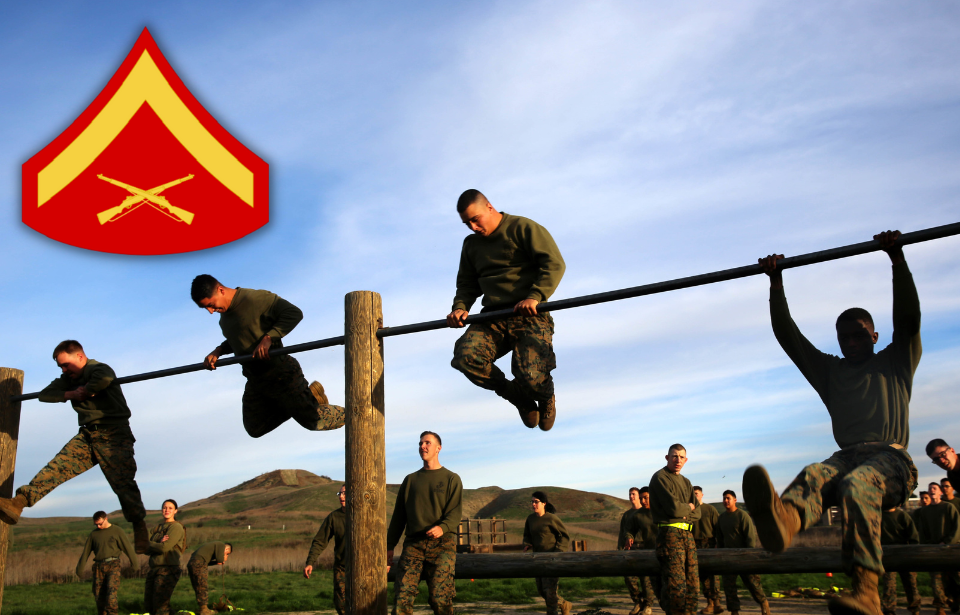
<point>254,322</point>
<point>106,543</point>
<point>206,555</point>
<point>545,534</point>
<point>735,530</point>
<point>334,528</point>
<point>513,263</point>
<point>704,536</point>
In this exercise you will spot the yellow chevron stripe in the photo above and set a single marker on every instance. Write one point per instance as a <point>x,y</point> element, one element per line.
<point>145,83</point>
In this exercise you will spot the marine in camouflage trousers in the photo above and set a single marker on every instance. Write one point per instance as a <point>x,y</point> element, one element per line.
<point>106,581</point>
<point>750,581</point>
<point>197,569</point>
<point>889,597</point>
<point>276,391</point>
<point>160,583</point>
<point>711,588</point>
<point>942,597</point>
<point>642,590</point>
<point>435,561</point>
<point>339,588</point>
<point>677,554</point>
<point>529,338</point>
<point>863,481</point>
<point>110,447</point>
<point>549,590</point>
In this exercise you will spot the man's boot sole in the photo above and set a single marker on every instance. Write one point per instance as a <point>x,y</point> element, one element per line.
<point>317,389</point>
<point>6,518</point>
<point>760,496</point>
<point>548,419</point>
<point>9,513</point>
<point>846,605</point>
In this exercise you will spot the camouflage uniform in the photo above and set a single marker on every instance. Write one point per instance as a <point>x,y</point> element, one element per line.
<point>197,569</point>
<point>889,596</point>
<point>433,560</point>
<point>277,391</point>
<point>530,338</point>
<point>752,583</point>
<point>106,580</point>
<point>862,480</point>
<point>110,447</point>
<point>711,589</point>
<point>340,589</point>
<point>549,590</point>
<point>160,583</point>
<point>677,554</point>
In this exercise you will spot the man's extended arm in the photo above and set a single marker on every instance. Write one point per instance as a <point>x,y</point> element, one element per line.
<point>87,548</point>
<point>324,536</point>
<point>906,303</point>
<point>468,289</point>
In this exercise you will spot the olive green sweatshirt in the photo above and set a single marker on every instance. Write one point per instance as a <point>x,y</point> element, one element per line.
<point>212,553</point>
<point>938,524</point>
<point>897,528</point>
<point>704,529</point>
<point>735,530</point>
<point>334,527</point>
<point>253,314</point>
<point>546,533</point>
<point>107,406</point>
<point>670,495</point>
<point>519,260</point>
<point>627,524</point>
<point>426,498</point>
<point>110,542</point>
<point>643,530</point>
<point>167,553</point>
<point>869,402</point>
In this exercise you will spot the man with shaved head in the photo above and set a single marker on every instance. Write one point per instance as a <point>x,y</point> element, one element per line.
<point>514,264</point>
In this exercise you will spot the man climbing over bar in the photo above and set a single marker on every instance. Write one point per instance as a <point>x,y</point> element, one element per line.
<point>333,528</point>
<point>514,263</point>
<point>867,395</point>
<point>253,322</point>
<point>104,439</point>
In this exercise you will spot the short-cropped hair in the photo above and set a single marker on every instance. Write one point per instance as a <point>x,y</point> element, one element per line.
<point>99,515</point>
<point>922,493</point>
<point>934,444</point>
<point>203,287</point>
<point>229,545</point>
<point>698,488</point>
<point>67,346</point>
<point>676,447</point>
<point>934,484</point>
<point>731,493</point>
<point>632,489</point>
<point>434,434</point>
<point>644,490</point>
<point>854,314</point>
<point>468,198</point>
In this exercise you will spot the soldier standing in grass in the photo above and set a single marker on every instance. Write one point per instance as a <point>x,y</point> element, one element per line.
<point>625,542</point>
<point>253,322</point>
<point>645,537</point>
<point>429,506</point>
<point>735,530</point>
<point>168,541</point>
<point>868,397</point>
<point>704,535</point>
<point>514,263</point>
<point>106,543</point>
<point>105,439</point>
<point>897,528</point>
<point>544,532</point>
<point>939,524</point>
<point>334,528</point>
<point>675,510</point>
<point>206,555</point>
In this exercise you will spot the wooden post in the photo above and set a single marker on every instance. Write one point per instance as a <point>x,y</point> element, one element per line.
<point>365,456</point>
<point>11,383</point>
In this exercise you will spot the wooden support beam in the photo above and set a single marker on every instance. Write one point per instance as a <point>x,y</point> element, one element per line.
<point>11,384</point>
<point>365,456</point>
<point>909,558</point>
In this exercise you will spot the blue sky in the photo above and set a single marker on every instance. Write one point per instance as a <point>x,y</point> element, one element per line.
<point>654,141</point>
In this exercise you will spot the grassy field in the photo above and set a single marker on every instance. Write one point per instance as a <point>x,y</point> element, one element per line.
<point>288,591</point>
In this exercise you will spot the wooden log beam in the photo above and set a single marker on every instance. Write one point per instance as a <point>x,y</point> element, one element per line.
<point>365,456</point>
<point>11,384</point>
<point>909,558</point>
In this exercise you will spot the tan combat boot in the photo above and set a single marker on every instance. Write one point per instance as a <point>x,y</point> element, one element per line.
<point>10,509</point>
<point>204,610</point>
<point>764,608</point>
<point>636,609</point>
<point>565,607</point>
<point>141,539</point>
<point>777,522</point>
<point>865,599</point>
<point>317,389</point>
<point>527,407</point>
<point>707,610</point>
<point>548,412</point>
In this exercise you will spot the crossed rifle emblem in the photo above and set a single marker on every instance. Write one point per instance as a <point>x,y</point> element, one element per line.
<point>140,197</point>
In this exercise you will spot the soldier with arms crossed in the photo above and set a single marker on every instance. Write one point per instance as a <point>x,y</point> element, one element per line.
<point>334,528</point>
<point>106,543</point>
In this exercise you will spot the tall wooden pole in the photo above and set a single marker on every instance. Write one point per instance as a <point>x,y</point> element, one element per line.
<point>11,383</point>
<point>365,456</point>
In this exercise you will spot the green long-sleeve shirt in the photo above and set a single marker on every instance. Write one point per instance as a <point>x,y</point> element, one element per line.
<point>898,528</point>
<point>334,527</point>
<point>735,530</point>
<point>546,533</point>
<point>253,314</point>
<point>426,498</point>
<point>704,529</point>
<point>519,260</point>
<point>670,495</point>
<point>644,530</point>
<point>938,524</point>
<point>167,553</point>
<point>627,527</point>
<point>106,543</point>
<point>212,553</point>
<point>107,405</point>
<point>869,402</point>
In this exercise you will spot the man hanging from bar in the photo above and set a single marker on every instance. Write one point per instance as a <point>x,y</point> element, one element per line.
<point>104,439</point>
<point>867,395</point>
<point>333,528</point>
<point>253,322</point>
<point>514,263</point>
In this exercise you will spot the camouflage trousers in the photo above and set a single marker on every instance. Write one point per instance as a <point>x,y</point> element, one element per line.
<point>160,583</point>
<point>888,598</point>
<point>752,583</point>
<point>642,590</point>
<point>863,482</point>
<point>340,589</point>
<point>109,447</point>
<point>529,338</point>
<point>276,391</point>
<point>942,596</point>
<point>549,590</point>
<point>677,554</point>
<point>711,586</point>
<point>197,569</point>
<point>434,560</point>
<point>106,580</point>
